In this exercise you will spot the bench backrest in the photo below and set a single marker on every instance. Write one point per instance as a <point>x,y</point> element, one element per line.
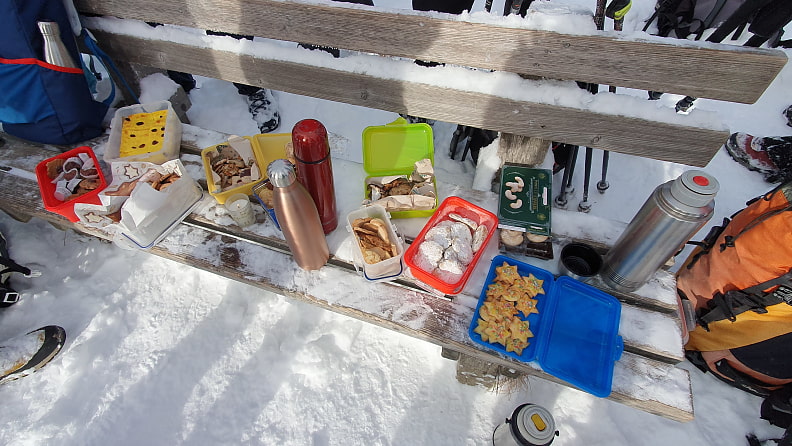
<point>502,103</point>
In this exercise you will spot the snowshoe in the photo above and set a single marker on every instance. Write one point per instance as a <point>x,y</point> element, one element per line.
<point>8,296</point>
<point>23,355</point>
<point>264,109</point>
<point>770,156</point>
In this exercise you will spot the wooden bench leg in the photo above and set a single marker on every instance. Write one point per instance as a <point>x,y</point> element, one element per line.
<point>24,218</point>
<point>447,353</point>
<point>522,149</point>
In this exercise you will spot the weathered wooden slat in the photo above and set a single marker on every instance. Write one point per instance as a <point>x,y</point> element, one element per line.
<point>714,71</point>
<point>413,313</point>
<point>619,133</point>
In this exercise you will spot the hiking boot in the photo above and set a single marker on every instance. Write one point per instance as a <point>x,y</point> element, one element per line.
<point>22,355</point>
<point>264,109</point>
<point>416,120</point>
<point>770,156</point>
<point>335,52</point>
<point>685,104</point>
<point>9,296</point>
<point>788,115</point>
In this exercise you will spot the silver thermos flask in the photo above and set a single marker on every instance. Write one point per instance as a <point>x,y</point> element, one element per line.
<point>674,212</point>
<point>297,216</point>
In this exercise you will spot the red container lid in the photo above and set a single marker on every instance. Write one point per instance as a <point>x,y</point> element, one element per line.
<point>451,205</point>
<point>47,188</point>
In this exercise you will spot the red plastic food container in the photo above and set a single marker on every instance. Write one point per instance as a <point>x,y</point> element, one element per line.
<point>451,205</point>
<point>47,188</point>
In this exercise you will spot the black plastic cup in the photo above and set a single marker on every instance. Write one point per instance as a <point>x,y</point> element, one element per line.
<point>579,261</point>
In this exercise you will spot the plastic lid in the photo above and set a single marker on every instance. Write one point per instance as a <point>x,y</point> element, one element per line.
<point>695,188</point>
<point>394,148</point>
<point>579,336</point>
<point>532,425</point>
<point>281,173</point>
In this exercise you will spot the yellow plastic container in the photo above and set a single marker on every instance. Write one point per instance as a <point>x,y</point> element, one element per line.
<point>266,147</point>
<point>393,149</point>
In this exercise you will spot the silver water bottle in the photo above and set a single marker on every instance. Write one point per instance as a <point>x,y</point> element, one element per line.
<point>674,212</point>
<point>55,52</point>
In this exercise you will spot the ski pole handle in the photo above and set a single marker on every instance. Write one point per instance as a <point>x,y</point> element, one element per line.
<point>617,9</point>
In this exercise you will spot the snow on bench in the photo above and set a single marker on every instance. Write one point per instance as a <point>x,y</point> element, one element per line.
<point>644,378</point>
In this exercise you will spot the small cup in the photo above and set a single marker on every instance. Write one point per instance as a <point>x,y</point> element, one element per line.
<point>579,261</point>
<point>240,209</point>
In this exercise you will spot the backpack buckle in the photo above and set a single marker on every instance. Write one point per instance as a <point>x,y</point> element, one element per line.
<point>784,293</point>
<point>10,297</point>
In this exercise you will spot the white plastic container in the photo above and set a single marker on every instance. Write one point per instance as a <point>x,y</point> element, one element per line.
<point>161,151</point>
<point>149,215</point>
<point>385,270</point>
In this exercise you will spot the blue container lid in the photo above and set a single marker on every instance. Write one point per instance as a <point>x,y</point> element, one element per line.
<point>575,333</point>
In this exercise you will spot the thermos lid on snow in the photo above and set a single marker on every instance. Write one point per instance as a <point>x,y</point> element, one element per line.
<point>281,173</point>
<point>695,188</point>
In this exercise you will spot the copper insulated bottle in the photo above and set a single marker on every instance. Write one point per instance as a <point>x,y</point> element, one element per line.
<point>297,216</point>
<point>314,168</point>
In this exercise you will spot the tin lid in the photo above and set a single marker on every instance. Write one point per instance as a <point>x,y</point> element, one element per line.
<point>532,425</point>
<point>281,173</point>
<point>695,188</point>
<point>394,148</point>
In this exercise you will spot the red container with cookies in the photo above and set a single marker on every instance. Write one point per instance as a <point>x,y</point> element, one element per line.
<point>446,251</point>
<point>69,178</point>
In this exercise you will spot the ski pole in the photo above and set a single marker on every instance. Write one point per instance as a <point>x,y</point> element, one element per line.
<point>603,185</point>
<point>616,10</point>
<point>566,181</point>
<point>584,205</point>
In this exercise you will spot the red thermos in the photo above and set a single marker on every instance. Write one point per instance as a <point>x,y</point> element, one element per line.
<point>314,169</point>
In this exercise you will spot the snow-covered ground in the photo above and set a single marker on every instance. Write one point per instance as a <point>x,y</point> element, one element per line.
<point>159,353</point>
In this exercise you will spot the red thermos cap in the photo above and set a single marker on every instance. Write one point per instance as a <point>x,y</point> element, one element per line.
<point>309,138</point>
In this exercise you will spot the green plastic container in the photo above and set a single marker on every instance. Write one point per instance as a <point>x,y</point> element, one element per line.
<point>393,149</point>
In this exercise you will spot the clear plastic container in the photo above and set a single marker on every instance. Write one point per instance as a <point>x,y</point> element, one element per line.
<point>385,270</point>
<point>162,142</point>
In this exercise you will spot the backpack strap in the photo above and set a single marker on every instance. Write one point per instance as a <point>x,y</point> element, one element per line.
<point>9,295</point>
<point>735,302</point>
<point>726,373</point>
<point>93,47</point>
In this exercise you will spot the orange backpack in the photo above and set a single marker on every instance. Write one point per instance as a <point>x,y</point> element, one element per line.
<point>739,283</point>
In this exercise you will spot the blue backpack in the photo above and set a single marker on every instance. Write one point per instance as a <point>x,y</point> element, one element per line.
<point>42,102</point>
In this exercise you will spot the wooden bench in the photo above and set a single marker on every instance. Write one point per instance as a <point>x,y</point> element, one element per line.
<point>645,377</point>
